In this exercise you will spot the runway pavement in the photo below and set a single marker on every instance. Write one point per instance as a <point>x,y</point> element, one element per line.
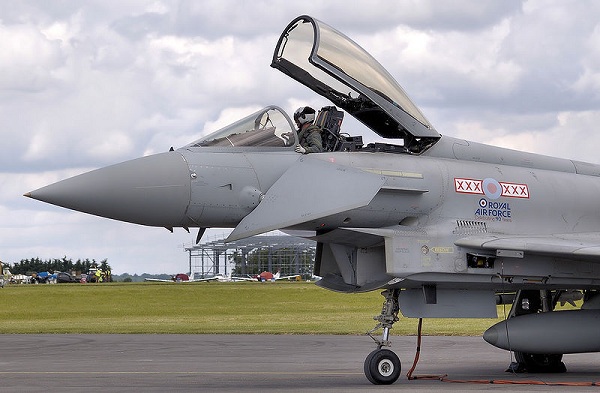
<point>259,363</point>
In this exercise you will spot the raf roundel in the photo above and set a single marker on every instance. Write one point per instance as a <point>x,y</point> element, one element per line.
<point>491,188</point>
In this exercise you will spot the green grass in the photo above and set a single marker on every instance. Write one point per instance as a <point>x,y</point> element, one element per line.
<point>272,308</point>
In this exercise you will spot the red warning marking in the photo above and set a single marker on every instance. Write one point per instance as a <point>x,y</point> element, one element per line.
<point>474,186</point>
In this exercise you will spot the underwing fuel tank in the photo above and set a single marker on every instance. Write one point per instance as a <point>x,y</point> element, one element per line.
<point>558,332</point>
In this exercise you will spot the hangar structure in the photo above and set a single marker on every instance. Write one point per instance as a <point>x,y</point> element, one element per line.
<point>271,252</point>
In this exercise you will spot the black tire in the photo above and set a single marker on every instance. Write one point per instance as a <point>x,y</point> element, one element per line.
<point>382,367</point>
<point>541,363</point>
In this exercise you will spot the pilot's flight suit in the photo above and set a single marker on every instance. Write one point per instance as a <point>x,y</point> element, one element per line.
<point>310,139</point>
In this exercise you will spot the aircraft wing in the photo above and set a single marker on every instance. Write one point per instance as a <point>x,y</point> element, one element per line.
<point>571,246</point>
<point>157,280</point>
<point>292,277</point>
<point>239,278</point>
<point>214,278</point>
<point>309,190</point>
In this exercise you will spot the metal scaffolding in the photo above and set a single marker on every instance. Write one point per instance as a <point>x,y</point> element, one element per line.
<point>287,254</point>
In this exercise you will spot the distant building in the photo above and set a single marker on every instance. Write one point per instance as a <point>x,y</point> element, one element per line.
<point>251,256</point>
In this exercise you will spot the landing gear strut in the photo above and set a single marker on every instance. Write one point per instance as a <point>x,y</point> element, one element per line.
<point>527,302</point>
<point>382,366</point>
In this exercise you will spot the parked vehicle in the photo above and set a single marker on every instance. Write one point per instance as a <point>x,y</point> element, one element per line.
<point>62,277</point>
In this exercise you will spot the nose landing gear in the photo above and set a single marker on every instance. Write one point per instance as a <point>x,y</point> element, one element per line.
<point>382,366</point>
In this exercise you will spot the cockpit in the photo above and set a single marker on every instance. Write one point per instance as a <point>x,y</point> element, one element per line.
<point>337,68</point>
<point>271,127</point>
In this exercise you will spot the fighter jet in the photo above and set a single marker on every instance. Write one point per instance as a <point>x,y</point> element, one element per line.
<point>442,226</point>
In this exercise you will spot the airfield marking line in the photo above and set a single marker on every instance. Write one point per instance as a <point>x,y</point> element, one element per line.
<point>326,373</point>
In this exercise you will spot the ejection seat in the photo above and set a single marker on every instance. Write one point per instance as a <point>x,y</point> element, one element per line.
<point>329,119</point>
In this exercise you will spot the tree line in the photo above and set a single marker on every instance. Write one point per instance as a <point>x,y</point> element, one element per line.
<point>34,265</point>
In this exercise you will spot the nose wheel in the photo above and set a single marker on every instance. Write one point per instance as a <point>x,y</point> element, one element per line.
<point>382,366</point>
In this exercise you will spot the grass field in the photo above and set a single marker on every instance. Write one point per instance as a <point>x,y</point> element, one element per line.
<point>160,308</point>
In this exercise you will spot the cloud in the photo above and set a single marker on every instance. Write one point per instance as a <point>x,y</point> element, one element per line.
<point>27,59</point>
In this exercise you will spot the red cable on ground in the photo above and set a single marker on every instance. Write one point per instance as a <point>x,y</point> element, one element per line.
<point>418,352</point>
<point>410,372</point>
<point>443,378</point>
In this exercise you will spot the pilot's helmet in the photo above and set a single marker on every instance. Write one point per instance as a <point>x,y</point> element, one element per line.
<point>304,114</point>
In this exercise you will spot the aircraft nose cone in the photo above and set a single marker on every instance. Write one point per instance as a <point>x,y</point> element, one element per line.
<point>152,190</point>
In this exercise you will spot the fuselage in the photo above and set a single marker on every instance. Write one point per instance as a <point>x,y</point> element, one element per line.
<point>541,193</point>
<point>427,202</point>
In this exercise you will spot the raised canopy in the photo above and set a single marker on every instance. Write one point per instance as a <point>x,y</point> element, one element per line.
<point>334,66</point>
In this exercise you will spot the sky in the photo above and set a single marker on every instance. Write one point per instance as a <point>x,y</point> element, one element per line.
<point>89,84</point>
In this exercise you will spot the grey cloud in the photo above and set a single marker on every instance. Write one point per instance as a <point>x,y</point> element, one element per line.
<point>463,15</point>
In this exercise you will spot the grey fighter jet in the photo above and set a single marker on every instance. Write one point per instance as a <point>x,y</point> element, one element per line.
<point>443,227</point>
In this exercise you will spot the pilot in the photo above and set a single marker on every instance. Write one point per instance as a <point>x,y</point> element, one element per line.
<point>309,135</point>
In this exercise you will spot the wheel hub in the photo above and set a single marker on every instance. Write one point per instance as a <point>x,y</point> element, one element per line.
<point>386,368</point>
